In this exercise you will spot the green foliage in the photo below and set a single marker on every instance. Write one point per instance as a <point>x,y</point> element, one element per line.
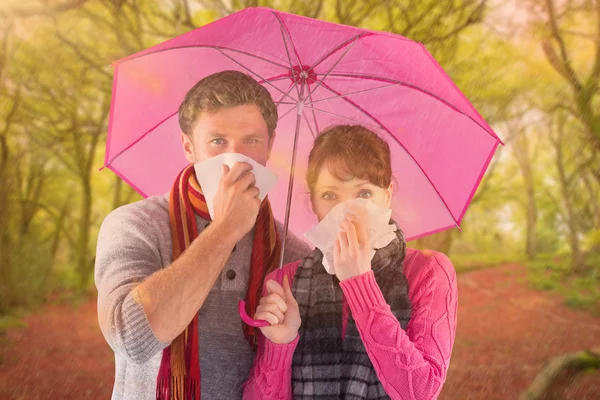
<point>9,321</point>
<point>56,86</point>
<point>553,272</point>
<point>26,283</point>
<point>470,262</point>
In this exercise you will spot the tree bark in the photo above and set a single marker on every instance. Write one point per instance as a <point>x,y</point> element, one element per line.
<point>521,149</point>
<point>593,193</point>
<point>83,253</point>
<point>441,242</point>
<point>577,256</point>
<point>584,89</point>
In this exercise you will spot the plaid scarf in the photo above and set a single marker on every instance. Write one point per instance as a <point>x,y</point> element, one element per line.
<point>179,373</point>
<point>324,365</point>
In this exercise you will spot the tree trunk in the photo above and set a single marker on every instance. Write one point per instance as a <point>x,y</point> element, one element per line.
<point>577,257</point>
<point>521,149</point>
<point>34,186</point>
<point>56,240</point>
<point>83,251</point>
<point>441,242</point>
<point>6,242</point>
<point>593,193</point>
<point>117,194</point>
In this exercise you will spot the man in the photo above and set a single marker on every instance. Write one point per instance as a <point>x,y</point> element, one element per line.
<point>159,299</point>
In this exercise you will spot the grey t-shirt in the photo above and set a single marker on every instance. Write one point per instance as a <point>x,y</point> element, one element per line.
<point>134,242</point>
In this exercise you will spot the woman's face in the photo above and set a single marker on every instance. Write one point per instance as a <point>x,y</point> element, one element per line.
<point>330,191</point>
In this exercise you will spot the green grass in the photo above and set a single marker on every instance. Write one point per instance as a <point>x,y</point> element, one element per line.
<point>9,321</point>
<point>550,273</point>
<point>472,262</point>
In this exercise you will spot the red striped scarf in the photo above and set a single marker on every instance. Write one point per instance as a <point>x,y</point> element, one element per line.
<point>179,373</point>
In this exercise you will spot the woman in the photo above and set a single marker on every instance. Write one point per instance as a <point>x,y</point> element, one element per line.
<point>380,328</point>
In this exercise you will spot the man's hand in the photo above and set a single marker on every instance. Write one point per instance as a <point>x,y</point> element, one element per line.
<point>236,202</point>
<point>280,309</point>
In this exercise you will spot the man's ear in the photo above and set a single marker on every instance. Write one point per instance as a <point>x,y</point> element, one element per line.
<point>188,147</point>
<point>271,141</point>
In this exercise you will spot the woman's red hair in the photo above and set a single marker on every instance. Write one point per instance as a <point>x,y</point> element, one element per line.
<point>350,151</point>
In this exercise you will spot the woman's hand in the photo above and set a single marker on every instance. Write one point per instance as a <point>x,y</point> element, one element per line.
<point>280,309</point>
<point>351,255</point>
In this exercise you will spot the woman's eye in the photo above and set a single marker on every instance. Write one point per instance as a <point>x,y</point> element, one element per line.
<point>328,196</point>
<point>365,194</point>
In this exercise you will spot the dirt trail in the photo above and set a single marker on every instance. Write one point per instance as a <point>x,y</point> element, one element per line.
<point>506,332</point>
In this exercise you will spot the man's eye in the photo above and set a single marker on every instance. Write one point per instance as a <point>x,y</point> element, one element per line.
<point>251,141</point>
<point>218,141</point>
<point>365,194</point>
<point>328,196</point>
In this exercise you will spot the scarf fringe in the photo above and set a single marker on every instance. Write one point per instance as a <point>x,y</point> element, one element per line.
<point>163,388</point>
<point>178,388</point>
<point>192,389</point>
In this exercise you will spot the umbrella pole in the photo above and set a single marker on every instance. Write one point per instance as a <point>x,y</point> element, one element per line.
<point>291,181</point>
<point>242,304</point>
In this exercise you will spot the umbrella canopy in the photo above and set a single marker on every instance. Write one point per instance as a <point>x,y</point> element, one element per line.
<point>319,74</point>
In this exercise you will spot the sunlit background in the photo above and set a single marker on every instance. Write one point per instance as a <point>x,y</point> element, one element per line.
<point>528,255</point>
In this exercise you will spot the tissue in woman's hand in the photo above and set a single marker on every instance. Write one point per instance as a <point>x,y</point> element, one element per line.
<point>380,231</point>
<point>209,175</point>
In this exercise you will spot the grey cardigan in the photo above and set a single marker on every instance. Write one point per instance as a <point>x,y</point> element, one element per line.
<point>133,243</point>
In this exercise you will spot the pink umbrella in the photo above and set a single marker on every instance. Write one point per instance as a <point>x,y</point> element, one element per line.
<point>319,74</point>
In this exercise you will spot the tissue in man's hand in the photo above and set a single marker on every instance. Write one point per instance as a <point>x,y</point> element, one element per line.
<point>209,176</point>
<point>380,231</point>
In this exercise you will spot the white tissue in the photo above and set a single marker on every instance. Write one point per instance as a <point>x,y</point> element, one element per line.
<point>324,235</point>
<point>209,175</point>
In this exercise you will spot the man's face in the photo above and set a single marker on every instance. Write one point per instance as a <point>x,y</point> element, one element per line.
<point>240,129</point>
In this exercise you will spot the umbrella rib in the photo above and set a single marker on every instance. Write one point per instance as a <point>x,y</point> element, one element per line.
<point>343,117</point>
<point>275,78</point>
<point>133,57</point>
<point>359,108</point>
<point>352,93</point>
<point>140,138</point>
<point>283,30</point>
<point>249,70</point>
<point>313,113</point>
<point>413,87</point>
<point>284,27</point>
<point>286,113</point>
<point>287,94</point>
<point>290,60</point>
<point>320,82</point>
<point>335,50</point>
<point>308,123</point>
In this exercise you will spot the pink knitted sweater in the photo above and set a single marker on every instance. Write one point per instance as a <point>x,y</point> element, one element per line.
<point>410,364</point>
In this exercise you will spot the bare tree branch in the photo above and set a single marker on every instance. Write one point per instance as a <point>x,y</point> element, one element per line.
<point>596,69</point>
<point>7,124</point>
<point>82,56</point>
<point>475,17</point>
<point>41,10</point>
<point>562,64</point>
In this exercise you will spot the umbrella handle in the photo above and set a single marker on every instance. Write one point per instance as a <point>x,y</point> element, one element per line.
<point>242,306</point>
<point>246,318</point>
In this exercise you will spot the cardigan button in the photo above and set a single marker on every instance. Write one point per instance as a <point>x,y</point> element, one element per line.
<point>231,274</point>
